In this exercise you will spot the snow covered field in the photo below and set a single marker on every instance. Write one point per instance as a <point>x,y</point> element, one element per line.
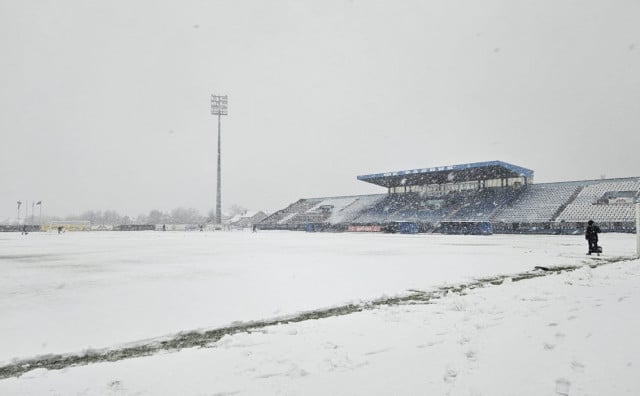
<point>570,333</point>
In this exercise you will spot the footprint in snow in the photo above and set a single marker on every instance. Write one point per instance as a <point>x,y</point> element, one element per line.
<point>377,351</point>
<point>268,375</point>
<point>577,366</point>
<point>115,385</point>
<point>330,345</point>
<point>297,372</point>
<point>450,375</point>
<point>562,386</point>
<point>548,347</point>
<point>430,344</point>
<point>341,363</point>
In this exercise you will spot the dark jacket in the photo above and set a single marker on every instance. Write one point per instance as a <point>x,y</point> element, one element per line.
<point>592,232</point>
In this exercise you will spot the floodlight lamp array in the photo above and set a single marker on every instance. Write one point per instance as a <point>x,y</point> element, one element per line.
<point>219,105</point>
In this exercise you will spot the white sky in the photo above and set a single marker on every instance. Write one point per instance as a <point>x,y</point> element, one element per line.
<point>105,104</point>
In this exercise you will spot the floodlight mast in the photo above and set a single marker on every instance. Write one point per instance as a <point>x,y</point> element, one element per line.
<point>219,108</point>
<point>18,218</point>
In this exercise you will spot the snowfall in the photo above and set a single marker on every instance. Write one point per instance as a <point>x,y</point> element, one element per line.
<point>414,314</point>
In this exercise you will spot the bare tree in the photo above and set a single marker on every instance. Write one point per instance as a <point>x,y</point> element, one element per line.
<point>186,216</point>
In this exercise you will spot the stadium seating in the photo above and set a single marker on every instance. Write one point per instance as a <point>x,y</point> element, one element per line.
<point>348,213</point>
<point>456,205</point>
<point>551,203</point>
<point>402,207</point>
<point>285,215</point>
<point>481,205</point>
<point>537,203</point>
<point>586,205</point>
<point>332,210</point>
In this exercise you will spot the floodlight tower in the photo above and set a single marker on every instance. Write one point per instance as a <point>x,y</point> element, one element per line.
<point>219,108</point>
<point>18,218</point>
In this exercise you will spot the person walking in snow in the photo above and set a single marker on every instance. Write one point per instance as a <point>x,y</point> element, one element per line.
<point>591,235</point>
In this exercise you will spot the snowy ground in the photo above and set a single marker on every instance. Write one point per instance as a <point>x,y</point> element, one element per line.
<point>569,333</point>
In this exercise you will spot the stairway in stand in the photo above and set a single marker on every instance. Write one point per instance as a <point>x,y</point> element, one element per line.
<point>569,201</point>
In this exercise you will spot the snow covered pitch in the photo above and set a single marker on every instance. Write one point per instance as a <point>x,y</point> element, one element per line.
<point>572,332</point>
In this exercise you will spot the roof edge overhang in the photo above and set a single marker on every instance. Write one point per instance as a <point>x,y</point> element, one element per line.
<point>386,179</point>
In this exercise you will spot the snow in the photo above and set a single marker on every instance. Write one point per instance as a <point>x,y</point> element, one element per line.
<point>571,333</point>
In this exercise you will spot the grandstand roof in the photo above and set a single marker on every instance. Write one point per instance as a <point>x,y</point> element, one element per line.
<point>448,174</point>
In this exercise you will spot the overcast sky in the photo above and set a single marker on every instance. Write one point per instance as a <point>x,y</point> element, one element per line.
<point>105,104</point>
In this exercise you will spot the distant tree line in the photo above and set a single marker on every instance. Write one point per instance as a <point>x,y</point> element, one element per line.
<point>178,215</point>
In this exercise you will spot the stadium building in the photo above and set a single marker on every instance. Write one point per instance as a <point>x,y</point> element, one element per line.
<point>481,197</point>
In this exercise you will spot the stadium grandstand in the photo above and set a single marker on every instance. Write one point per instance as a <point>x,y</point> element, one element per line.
<point>493,195</point>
